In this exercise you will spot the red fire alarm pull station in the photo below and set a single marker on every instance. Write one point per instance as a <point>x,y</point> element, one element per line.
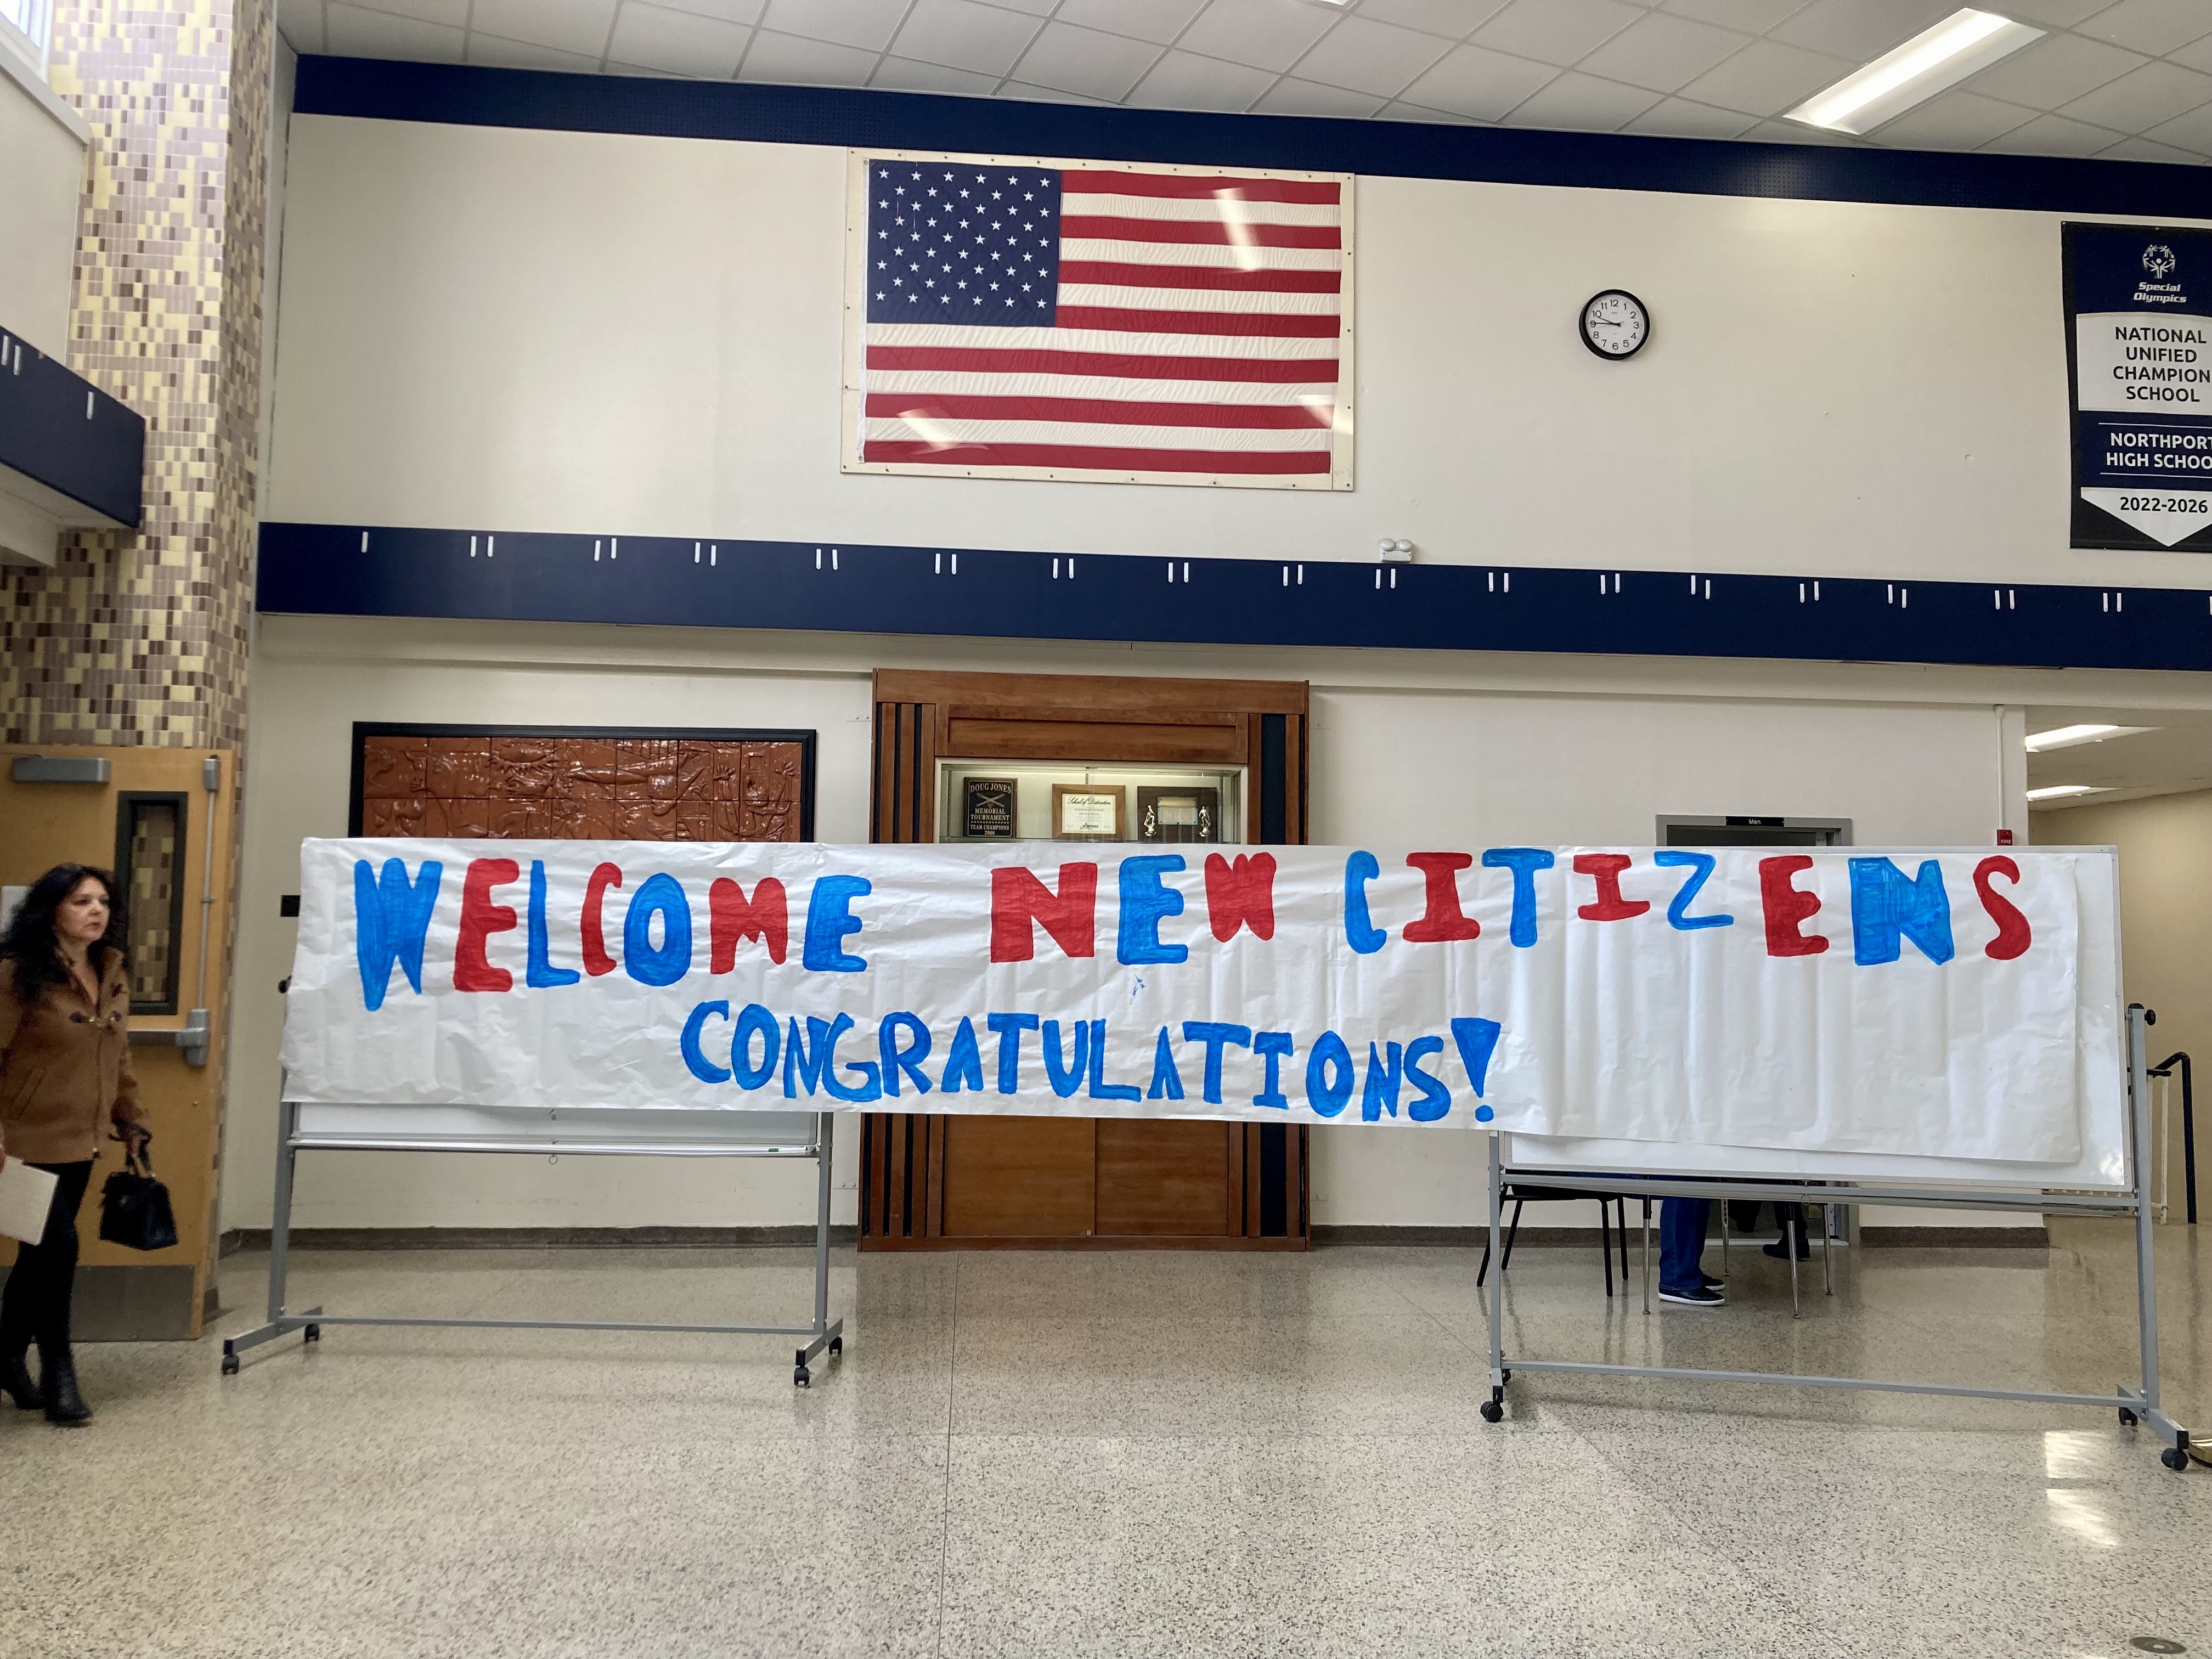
<point>2005,837</point>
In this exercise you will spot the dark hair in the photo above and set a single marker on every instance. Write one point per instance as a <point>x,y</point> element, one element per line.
<point>31,946</point>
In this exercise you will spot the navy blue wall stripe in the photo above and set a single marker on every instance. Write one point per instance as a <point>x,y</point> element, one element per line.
<point>59,429</point>
<point>466,96</point>
<point>326,569</point>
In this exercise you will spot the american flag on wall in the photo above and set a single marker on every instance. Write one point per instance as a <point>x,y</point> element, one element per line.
<point>1098,321</point>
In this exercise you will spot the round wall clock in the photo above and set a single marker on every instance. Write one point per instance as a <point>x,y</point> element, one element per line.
<point>1615,325</point>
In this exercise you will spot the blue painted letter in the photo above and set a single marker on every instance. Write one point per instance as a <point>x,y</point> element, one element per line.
<point>1214,1036</point>
<point>1010,1028</point>
<point>702,1067</point>
<point>963,1064</point>
<point>1435,1099</point>
<point>1700,867</point>
<point>1327,1095</point>
<point>541,973</point>
<point>390,917</point>
<point>908,1059</point>
<point>1363,935</point>
<point>1524,862</point>
<point>1146,901</point>
<point>1887,909</point>
<point>1272,1047</point>
<point>662,895</point>
<point>1478,1040</point>
<point>828,922</point>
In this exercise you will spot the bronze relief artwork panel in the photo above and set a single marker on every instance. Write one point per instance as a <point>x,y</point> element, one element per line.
<point>467,783</point>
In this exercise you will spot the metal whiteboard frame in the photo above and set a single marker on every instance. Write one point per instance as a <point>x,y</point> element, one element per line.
<point>824,1333</point>
<point>2133,1404</point>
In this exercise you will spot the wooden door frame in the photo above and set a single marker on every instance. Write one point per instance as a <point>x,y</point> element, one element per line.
<point>922,715</point>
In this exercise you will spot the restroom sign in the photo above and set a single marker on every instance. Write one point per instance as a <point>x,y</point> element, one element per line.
<point>2139,362</point>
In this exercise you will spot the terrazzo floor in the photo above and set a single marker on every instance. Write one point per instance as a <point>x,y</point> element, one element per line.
<point>1124,1454</point>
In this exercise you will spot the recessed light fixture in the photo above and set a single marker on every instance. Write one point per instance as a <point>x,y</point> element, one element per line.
<point>2066,737</point>
<point>2066,792</point>
<point>1935,58</point>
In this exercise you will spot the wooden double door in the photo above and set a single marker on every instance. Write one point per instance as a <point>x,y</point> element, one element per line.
<point>932,1180</point>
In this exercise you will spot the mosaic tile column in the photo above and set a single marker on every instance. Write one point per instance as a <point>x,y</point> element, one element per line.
<point>141,638</point>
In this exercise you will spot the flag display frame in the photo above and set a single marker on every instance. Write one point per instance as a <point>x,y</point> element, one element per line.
<point>853,424</point>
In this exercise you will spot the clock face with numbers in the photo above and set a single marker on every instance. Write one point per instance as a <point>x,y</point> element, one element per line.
<point>1615,325</point>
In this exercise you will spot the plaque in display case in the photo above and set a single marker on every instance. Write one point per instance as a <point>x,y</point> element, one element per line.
<point>1087,811</point>
<point>1178,812</point>
<point>987,808</point>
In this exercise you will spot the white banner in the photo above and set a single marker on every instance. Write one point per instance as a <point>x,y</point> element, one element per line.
<point>1932,1004</point>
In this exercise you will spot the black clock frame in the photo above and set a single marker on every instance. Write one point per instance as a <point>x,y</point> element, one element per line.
<point>1581,325</point>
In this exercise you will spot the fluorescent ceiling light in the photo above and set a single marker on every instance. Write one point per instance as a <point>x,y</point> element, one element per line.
<point>1924,65</point>
<point>2065,791</point>
<point>2066,737</point>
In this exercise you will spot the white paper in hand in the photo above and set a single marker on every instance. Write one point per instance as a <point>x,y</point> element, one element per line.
<point>26,1195</point>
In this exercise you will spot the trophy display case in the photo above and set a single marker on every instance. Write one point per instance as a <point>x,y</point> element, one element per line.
<point>1034,757</point>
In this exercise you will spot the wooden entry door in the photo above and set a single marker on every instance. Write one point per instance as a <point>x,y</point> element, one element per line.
<point>932,1180</point>
<point>150,822</point>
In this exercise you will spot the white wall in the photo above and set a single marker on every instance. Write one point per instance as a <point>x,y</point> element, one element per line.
<point>559,332</point>
<point>1460,749</point>
<point>42,176</point>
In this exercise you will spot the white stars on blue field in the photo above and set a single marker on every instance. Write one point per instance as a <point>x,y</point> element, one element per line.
<point>954,244</point>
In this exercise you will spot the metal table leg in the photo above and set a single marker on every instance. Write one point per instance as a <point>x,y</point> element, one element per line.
<point>1647,1256</point>
<point>1828,1249</point>
<point>1789,1248</point>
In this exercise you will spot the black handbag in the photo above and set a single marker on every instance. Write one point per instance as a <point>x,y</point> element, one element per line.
<point>134,1208</point>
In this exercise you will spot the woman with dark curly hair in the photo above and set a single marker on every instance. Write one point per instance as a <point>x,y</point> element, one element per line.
<point>64,1064</point>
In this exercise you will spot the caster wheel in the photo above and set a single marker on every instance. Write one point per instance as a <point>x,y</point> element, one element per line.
<point>800,1379</point>
<point>836,1347</point>
<point>1492,1410</point>
<point>1505,1376</point>
<point>2128,1419</point>
<point>2174,1458</point>
<point>230,1364</point>
<point>312,1334</point>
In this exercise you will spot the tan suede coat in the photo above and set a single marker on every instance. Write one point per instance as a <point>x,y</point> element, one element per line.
<point>64,1066</point>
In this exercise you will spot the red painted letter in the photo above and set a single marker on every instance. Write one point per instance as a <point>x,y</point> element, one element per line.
<point>2014,935</point>
<point>480,917</point>
<point>1071,916</point>
<point>767,917</point>
<point>596,959</point>
<point>1241,896</point>
<point>1444,921</point>
<point>1788,908</point>
<point>1606,867</point>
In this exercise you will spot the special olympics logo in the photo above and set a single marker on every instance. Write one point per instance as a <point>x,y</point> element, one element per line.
<point>2159,260</point>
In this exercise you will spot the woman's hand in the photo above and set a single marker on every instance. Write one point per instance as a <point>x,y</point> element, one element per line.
<point>134,1137</point>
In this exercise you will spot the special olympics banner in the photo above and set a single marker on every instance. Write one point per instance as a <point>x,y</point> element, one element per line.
<point>1930,1003</point>
<point>2139,355</point>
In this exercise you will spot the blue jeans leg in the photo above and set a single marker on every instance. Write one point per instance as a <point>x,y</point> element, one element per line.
<point>1682,1241</point>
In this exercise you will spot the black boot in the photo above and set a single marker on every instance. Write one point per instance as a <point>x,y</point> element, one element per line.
<point>15,1377</point>
<point>1786,1214</point>
<point>64,1405</point>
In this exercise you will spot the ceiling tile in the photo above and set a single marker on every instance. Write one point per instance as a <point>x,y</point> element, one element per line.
<point>2053,14</point>
<point>1861,30</point>
<point>1753,16</point>
<point>1427,117</point>
<point>787,60</point>
<point>1767,77</point>
<point>747,12</point>
<point>1077,60</point>
<point>1454,19</point>
<point>867,23</point>
<point>2054,134</point>
<point>1678,117</point>
<point>2048,73</point>
<point>497,53</point>
<point>2190,132</point>
<point>1555,31</point>
<point>1030,94</point>
<point>1182,80</point>
<point>640,72</point>
<point>2143,98</point>
<point>2157,26</point>
<point>679,42</point>
<point>1473,81</point>
<point>2195,57</point>
<point>573,25</point>
<point>2144,150</point>
<point>1370,56</point>
<point>1290,96</point>
<point>905,74</point>
<point>961,34</point>
<point>357,33</point>
<point>1156,21</point>
<point>453,14</point>
<point>300,22</point>
<point>1583,103</point>
<point>1661,52</point>
<point>1269,34</point>
<point>1956,119</point>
